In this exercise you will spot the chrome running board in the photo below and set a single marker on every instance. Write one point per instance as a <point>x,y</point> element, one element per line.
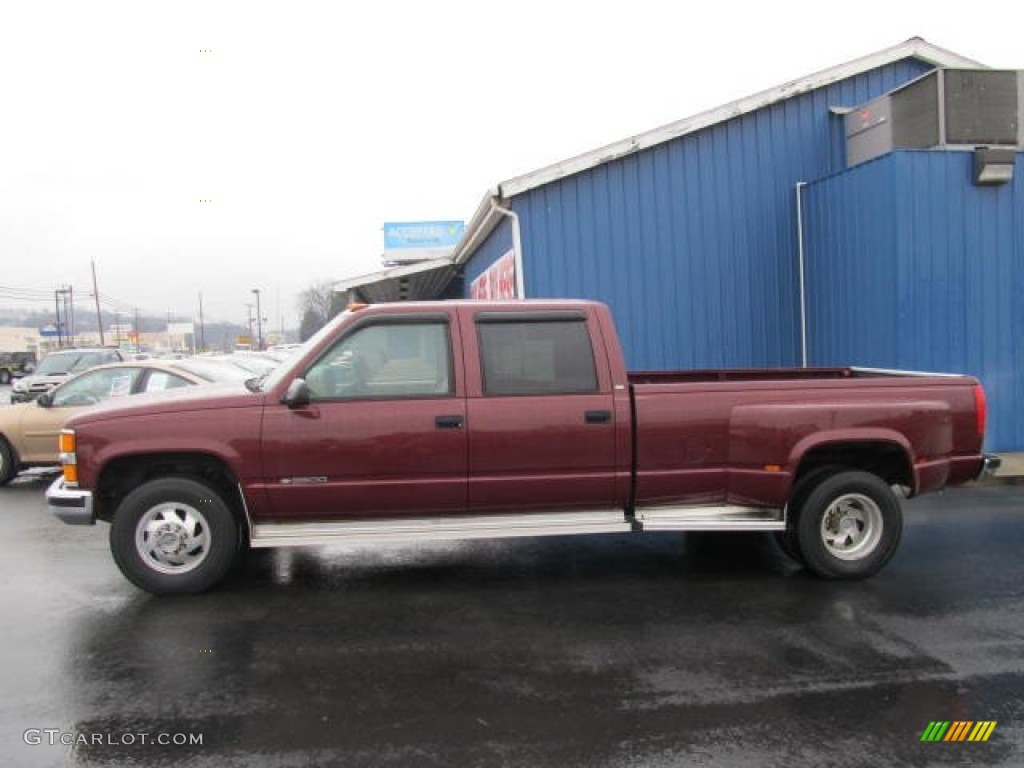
<point>438,528</point>
<point>725,518</point>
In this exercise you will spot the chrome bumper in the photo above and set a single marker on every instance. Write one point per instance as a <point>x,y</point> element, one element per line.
<point>70,505</point>
<point>990,463</point>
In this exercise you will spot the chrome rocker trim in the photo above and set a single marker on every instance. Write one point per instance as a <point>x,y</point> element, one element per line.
<point>438,529</point>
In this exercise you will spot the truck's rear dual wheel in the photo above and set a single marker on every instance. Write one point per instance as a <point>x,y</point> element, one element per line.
<point>174,536</point>
<point>849,526</point>
<point>789,539</point>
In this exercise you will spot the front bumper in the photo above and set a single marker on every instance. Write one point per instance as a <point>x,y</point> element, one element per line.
<point>70,505</point>
<point>990,464</point>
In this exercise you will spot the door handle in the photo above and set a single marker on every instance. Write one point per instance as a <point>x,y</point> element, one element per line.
<point>448,422</point>
<point>598,417</point>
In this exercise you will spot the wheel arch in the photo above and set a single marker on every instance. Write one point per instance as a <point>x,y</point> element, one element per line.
<point>886,456</point>
<point>122,475</point>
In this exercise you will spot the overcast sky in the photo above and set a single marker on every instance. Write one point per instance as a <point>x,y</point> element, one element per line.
<point>309,124</point>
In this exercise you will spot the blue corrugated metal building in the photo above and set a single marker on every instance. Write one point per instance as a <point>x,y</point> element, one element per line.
<point>911,266</point>
<point>690,233</point>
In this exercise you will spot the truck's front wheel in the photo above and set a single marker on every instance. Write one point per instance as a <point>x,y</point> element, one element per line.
<point>849,526</point>
<point>173,536</point>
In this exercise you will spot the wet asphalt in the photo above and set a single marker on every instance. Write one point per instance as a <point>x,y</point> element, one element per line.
<point>617,650</point>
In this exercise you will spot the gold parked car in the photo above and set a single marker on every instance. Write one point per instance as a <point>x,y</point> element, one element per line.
<point>28,431</point>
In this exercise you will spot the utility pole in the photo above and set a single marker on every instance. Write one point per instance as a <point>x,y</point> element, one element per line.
<point>71,315</point>
<point>259,320</point>
<point>60,297</point>
<point>249,309</point>
<point>202,329</point>
<point>69,331</point>
<point>96,293</point>
<point>56,308</point>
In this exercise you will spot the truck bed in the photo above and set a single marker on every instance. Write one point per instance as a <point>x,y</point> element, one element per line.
<point>768,374</point>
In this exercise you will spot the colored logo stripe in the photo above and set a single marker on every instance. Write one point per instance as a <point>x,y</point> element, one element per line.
<point>959,730</point>
<point>982,731</point>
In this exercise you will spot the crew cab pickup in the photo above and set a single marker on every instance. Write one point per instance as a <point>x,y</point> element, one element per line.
<point>463,420</point>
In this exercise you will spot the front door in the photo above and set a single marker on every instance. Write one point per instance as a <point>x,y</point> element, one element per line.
<point>385,432</point>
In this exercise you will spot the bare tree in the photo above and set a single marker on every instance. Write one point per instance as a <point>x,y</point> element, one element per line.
<point>317,305</point>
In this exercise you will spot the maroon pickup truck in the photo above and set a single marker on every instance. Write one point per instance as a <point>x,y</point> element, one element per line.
<point>460,420</point>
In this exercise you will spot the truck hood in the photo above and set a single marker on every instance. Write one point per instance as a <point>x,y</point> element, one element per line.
<point>205,397</point>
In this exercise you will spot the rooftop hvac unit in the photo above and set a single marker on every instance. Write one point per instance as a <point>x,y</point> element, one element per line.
<point>944,108</point>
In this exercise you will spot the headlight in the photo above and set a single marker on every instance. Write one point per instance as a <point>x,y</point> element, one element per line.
<point>20,386</point>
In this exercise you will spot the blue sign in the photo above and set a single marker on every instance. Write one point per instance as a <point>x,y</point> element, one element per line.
<point>49,330</point>
<point>422,234</point>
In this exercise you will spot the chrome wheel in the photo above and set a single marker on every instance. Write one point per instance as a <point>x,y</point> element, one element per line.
<point>172,538</point>
<point>851,526</point>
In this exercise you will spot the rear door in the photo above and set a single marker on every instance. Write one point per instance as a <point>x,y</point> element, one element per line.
<point>540,412</point>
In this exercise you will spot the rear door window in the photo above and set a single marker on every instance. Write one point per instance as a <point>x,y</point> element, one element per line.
<point>96,386</point>
<point>544,357</point>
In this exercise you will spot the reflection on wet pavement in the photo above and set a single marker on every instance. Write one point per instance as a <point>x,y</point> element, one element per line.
<point>617,650</point>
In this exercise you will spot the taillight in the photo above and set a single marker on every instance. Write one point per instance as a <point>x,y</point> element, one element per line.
<point>980,409</point>
<point>69,456</point>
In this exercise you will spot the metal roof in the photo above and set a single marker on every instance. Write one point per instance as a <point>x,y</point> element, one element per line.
<point>425,280</point>
<point>486,218</point>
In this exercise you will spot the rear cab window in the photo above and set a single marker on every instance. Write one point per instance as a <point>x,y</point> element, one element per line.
<point>546,354</point>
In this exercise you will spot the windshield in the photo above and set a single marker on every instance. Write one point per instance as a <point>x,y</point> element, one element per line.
<point>58,363</point>
<point>250,363</point>
<point>278,375</point>
<point>211,370</point>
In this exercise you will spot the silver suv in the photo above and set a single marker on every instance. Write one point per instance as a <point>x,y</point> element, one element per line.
<point>56,367</point>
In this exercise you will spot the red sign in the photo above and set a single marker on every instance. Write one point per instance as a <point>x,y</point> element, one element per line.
<point>498,281</point>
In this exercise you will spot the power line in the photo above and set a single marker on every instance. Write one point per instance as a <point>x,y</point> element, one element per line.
<point>24,294</point>
<point>28,294</point>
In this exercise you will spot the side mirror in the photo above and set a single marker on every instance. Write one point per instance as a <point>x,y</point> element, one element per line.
<point>297,394</point>
<point>45,400</point>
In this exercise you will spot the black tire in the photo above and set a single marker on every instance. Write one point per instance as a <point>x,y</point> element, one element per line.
<point>789,540</point>
<point>242,546</point>
<point>849,526</point>
<point>174,535</point>
<point>5,377</point>
<point>8,462</point>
